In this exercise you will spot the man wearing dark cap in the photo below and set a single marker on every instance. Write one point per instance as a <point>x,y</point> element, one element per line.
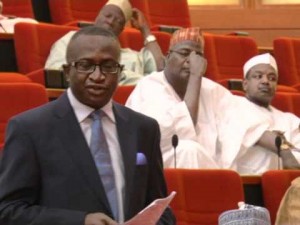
<point>114,16</point>
<point>184,103</point>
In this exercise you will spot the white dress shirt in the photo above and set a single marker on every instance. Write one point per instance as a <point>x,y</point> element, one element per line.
<point>82,113</point>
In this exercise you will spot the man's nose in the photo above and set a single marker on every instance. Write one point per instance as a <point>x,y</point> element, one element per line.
<point>96,74</point>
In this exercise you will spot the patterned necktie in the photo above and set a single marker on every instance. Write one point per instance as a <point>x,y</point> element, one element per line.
<point>101,155</point>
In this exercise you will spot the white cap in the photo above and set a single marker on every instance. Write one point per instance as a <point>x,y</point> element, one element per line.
<point>125,7</point>
<point>260,59</point>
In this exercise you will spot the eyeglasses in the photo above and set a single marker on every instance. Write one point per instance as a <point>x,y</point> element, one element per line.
<point>185,52</point>
<point>105,68</point>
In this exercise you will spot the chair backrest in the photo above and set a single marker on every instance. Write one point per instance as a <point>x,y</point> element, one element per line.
<point>202,195</point>
<point>122,93</point>
<point>10,77</point>
<point>283,101</point>
<point>18,97</point>
<point>33,43</point>
<point>287,55</point>
<point>66,11</point>
<point>274,185</point>
<point>226,55</point>
<point>19,8</point>
<point>132,38</point>
<point>168,12</point>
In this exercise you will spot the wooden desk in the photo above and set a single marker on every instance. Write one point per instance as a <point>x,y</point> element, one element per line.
<point>252,189</point>
<point>54,93</point>
<point>262,50</point>
<point>8,62</point>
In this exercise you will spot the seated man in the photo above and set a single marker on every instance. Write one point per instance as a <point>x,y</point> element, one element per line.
<point>184,103</point>
<point>255,125</point>
<point>113,16</point>
<point>7,23</point>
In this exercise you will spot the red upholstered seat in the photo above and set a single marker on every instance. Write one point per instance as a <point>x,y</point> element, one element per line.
<point>168,12</point>
<point>33,43</point>
<point>274,185</point>
<point>16,98</point>
<point>68,11</point>
<point>287,54</point>
<point>10,77</point>
<point>122,93</point>
<point>132,38</point>
<point>226,56</point>
<point>202,195</point>
<point>19,8</point>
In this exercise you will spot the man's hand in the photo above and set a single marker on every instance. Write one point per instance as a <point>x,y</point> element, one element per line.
<point>98,219</point>
<point>139,22</point>
<point>289,162</point>
<point>197,64</point>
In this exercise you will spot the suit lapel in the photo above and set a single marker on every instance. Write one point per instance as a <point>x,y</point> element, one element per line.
<point>128,145</point>
<point>74,142</point>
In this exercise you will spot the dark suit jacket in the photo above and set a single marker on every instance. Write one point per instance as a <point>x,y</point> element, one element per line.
<point>48,176</point>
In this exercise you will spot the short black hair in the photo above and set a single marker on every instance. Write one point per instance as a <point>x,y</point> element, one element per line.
<point>93,31</point>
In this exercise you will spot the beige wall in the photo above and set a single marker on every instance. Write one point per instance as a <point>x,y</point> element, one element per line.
<point>262,22</point>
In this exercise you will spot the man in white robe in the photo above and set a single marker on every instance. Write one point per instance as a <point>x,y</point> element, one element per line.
<point>114,16</point>
<point>254,119</point>
<point>184,103</point>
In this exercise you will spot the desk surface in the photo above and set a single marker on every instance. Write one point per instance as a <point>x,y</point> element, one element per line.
<point>54,93</point>
<point>6,36</point>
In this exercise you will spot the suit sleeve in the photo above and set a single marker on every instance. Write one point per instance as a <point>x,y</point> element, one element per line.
<point>20,185</point>
<point>157,181</point>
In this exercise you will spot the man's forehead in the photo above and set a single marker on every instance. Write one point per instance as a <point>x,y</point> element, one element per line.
<point>188,44</point>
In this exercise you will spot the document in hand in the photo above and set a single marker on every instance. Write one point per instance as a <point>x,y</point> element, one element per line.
<point>151,214</point>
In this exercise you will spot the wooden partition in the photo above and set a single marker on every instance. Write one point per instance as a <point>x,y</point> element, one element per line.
<point>263,22</point>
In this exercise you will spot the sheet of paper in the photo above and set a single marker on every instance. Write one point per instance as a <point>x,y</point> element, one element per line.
<point>151,214</point>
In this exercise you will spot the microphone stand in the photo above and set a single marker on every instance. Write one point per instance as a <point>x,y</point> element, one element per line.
<point>278,142</point>
<point>174,144</point>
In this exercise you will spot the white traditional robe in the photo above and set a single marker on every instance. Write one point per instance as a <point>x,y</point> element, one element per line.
<point>245,127</point>
<point>137,64</point>
<point>198,144</point>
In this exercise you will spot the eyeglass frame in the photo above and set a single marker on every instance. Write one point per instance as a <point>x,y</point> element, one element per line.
<point>119,67</point>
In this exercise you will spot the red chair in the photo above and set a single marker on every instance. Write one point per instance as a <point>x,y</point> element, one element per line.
<point>10,77</point>
<point>122,93</point>
<point>202,195</point>
<point>168,12</point>
<point>226,56</point>
<point>16,98</point>
<point>132,38</point>
<point>283,101</point>
<point>69,12</point>
<point>31,57</point>
<point>296,105</point>
<point>287,55</point>
<point>274,185</point>
<point>19,8</point>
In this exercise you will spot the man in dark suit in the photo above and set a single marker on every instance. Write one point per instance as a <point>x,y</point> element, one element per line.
<point>48,175</point>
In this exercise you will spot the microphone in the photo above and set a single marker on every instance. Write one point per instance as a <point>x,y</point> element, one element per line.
<point>174,144</point>
<point>278,142</point>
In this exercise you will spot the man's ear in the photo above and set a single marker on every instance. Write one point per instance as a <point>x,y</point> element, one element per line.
<point>66,69</point>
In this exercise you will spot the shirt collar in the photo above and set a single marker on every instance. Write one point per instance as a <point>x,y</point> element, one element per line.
<point>83,111</point>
